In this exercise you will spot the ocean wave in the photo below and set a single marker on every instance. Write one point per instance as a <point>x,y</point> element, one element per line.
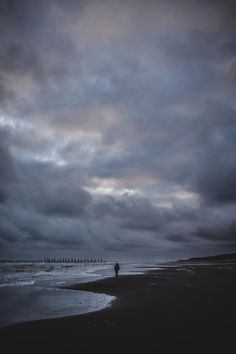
<point>17,283</point>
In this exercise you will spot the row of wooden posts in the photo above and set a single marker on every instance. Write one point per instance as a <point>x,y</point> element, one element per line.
<point>73,260</point>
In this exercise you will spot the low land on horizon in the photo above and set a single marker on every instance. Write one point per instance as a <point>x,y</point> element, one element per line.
<point>219,257</point>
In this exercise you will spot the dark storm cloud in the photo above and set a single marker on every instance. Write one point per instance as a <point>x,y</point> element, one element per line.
<point>177,238</point>
<point>66,201</point>
<point>221,233</point>
<point>118,125</point>
<point>50,190</point>
<point>7,168</point>
<point>216,177</point>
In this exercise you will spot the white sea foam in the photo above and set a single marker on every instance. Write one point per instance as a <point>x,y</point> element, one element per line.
<point>17,283</point>
<point>21,274</point>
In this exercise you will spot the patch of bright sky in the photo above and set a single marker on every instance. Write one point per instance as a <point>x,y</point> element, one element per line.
<point>109,187</point>
<point>54,158</point>
<point>9,122</point>
<point>160,196</point>
<point>20,124</point>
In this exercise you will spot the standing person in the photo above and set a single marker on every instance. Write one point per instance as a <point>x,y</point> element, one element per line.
<point>117,268</point>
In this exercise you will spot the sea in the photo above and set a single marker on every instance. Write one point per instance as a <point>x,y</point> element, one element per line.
<point>31,291</point>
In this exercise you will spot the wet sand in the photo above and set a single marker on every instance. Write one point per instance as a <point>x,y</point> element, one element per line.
<point>183,308</point>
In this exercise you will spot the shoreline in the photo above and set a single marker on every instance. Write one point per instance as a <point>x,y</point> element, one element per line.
<point>55,299</point>
<point>172,308</point>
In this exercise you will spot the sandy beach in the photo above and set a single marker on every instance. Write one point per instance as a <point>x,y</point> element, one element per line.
<point>184,307</point>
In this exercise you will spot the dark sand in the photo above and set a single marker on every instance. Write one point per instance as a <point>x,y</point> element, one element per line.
<point>190,309</point>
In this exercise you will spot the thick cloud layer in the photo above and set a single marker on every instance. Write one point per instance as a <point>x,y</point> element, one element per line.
<point>117,128</point>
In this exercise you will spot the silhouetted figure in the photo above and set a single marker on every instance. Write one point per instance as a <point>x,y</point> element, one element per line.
<point>117,268</point>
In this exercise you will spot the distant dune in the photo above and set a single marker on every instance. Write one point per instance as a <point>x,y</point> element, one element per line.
<point>229,257</point>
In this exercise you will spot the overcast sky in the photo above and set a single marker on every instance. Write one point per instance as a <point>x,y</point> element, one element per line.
<point>117,128</point>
